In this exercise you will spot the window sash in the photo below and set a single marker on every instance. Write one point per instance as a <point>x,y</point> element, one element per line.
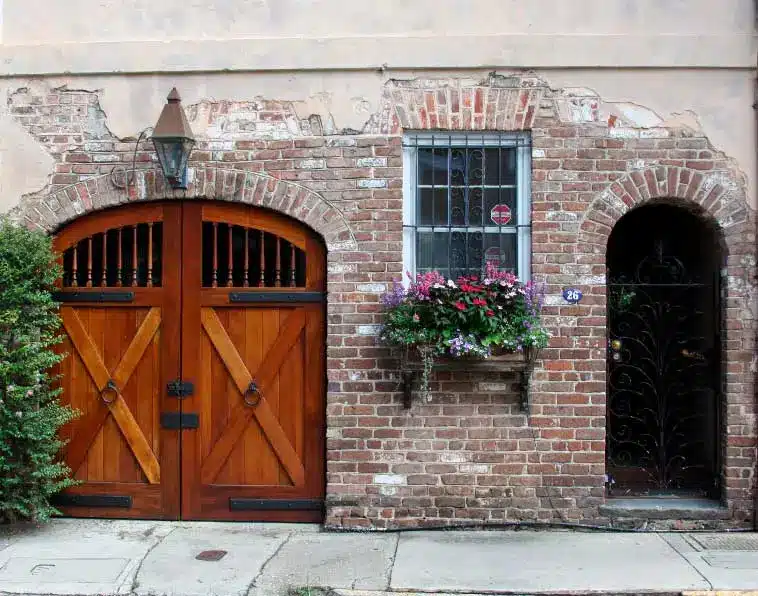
<point>522,227</point>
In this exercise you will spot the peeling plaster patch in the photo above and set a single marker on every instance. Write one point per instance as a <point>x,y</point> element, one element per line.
<point>578,105</point>
<point>624,133</point>
<point>538,153</point>
<point>340,246</point>
<point>341,267</point>
<point>654,133</point>
<point>637,116</point>
<point>721,178</point>
<point>369,329</point>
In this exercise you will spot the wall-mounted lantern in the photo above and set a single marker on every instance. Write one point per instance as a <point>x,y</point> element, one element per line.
<point>173,140</point>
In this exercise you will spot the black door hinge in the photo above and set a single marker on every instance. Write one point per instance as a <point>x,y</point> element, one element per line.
<point>179,420</point>
<point>180,389</point>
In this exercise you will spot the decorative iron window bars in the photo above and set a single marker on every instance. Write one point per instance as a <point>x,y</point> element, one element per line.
<point>467,202</point>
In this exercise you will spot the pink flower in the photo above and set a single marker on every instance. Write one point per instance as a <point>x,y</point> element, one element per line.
<point>490,313</point>
<point>460,305</point>
<point>479,302</point>
<point>416,318</point>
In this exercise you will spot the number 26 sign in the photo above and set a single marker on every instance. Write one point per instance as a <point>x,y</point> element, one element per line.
<point>572,295</point>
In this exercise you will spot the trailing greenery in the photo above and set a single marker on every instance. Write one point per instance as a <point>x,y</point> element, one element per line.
<point>30,412</point>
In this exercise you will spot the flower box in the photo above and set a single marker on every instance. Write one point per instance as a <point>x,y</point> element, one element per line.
<point>520,363</point>
<point>472,324</point>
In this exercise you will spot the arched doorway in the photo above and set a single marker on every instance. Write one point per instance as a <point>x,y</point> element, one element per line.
<point>664,354</point>
<point>195,340</point>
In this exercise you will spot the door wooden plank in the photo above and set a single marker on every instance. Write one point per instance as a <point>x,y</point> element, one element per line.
<point>268,369</point>
<point>137,347</point>
<point>90,356</point>
<point>136,440</point>
<point>86,348</point>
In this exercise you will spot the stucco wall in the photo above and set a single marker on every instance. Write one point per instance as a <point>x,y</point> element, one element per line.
<point>713,103</point>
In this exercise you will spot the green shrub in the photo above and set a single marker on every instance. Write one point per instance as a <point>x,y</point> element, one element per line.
<point>30,412</point>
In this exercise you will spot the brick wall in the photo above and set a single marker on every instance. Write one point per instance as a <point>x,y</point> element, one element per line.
<point>471,454</point>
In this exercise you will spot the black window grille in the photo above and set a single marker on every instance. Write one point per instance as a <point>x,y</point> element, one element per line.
<point>467,202</point>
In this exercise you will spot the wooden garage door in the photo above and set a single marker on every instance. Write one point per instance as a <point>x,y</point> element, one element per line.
<point>195,334</point>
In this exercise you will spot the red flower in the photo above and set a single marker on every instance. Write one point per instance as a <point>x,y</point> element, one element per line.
<point>490,313</point>
<point>479,302</point>
<point>460,306</point>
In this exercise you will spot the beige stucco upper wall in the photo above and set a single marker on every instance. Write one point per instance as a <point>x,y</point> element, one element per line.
<point>46,21</point>
<point>102,36</point>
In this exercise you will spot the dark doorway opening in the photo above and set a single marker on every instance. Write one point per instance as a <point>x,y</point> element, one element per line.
<point>664,361</point>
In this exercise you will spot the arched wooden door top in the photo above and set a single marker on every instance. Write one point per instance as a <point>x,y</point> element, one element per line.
<point>239,246</point>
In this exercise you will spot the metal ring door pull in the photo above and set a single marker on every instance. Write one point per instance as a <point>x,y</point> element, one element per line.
<point>252,396</point>
<point>109,389</point>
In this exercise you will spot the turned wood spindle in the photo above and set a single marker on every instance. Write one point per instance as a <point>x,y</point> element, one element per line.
<point>89,262</point>
<point>278,282</point>
<point>262,280</point>
<point>134,256</point>
<point>246,267</point>
<point>214,274</point>
<point>150,255</point>
<point>75,268</point>
<point>119,265</point>
<point>104,275</point>
<point>293,280</point>
<point>230,264</point>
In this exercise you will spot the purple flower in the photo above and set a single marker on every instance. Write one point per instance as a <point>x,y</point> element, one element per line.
<point>395,296</point>
<point>534,295</point>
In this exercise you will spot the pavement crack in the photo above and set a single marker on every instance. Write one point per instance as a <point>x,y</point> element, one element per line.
<point>393,558</point>
<point>686,560</point>
<point>258,575</point>
<point>135,581</point>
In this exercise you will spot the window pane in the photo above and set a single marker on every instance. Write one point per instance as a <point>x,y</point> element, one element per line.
<point>475,166</point>
<point>499,206</point>
<point>432,252</point>
<point>475,207</point>
<point>432,166</point>
<point>457,167</point>
<point>466,253</point>
<point>458,206</point>
<point>500,249</point>
<point>432,206</point>
<point>500,166</point>
<point>466,191</point>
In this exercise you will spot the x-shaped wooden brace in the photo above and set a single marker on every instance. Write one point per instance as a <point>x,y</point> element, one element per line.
<point>88,427</point>
<point>262,411</point>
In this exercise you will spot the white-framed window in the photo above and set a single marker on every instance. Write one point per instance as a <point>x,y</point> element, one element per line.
<point>466,201</point>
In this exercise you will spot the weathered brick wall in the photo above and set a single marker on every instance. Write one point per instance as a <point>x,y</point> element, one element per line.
<point>471,454</point>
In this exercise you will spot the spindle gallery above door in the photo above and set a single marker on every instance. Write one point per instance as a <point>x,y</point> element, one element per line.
<point>244,257</point>
<point>116,249</point>
<point>255,249</point>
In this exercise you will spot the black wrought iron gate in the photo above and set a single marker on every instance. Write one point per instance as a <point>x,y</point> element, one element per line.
<point>663,373</point>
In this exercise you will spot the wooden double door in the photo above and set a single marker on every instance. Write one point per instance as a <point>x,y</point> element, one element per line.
<point>195,340</point>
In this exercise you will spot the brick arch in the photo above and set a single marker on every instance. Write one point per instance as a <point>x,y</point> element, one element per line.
<point>713,193</point>
<point>51,211</point>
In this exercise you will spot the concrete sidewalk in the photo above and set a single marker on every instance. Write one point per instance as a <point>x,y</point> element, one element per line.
<point>87,557</point>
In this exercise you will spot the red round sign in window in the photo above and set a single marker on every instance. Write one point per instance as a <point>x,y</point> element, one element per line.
<point>494,255</point>
<point>501,214</point>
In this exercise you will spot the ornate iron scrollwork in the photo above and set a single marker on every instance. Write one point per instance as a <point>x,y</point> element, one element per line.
<point>661,390</point>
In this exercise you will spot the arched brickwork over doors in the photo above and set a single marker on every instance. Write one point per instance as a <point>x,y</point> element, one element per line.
<point>724,209</point>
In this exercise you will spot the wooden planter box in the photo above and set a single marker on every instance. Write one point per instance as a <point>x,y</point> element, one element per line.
<point>516,362</point>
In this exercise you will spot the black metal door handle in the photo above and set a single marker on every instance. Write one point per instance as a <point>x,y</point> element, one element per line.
<point>253,395</point>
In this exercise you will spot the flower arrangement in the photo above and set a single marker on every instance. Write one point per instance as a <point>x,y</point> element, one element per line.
<point>468,317</point>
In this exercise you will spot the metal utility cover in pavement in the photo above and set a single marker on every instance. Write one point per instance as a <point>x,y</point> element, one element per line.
<point>211,555</point>
<point>725,541</point>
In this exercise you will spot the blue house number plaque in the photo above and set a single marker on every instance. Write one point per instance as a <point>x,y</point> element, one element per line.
<point>572,295</point>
